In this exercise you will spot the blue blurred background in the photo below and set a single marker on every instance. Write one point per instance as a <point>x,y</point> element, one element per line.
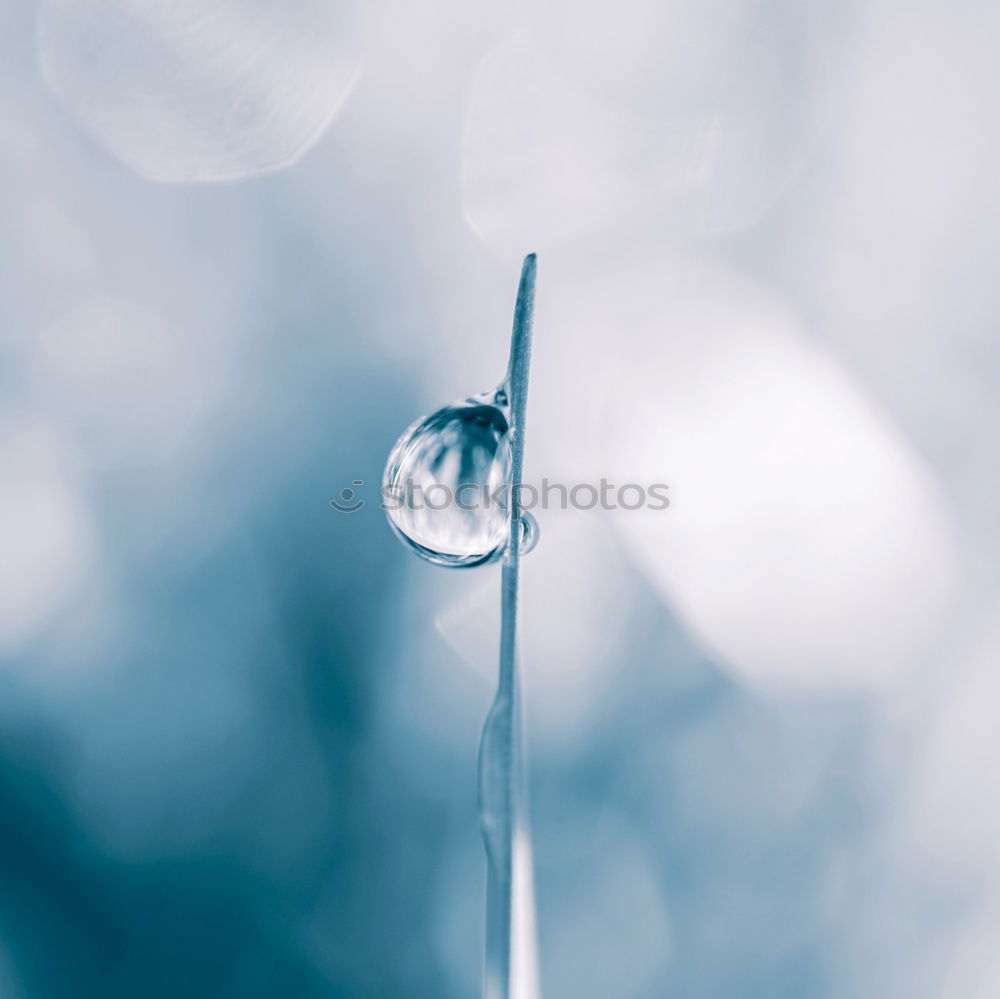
<point>246,242</point>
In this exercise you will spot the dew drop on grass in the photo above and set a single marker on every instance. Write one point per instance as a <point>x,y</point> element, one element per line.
<point>444,483</point>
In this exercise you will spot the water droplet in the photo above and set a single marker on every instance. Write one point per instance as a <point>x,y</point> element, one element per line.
<point>443,488</point>
<point>529,533</point>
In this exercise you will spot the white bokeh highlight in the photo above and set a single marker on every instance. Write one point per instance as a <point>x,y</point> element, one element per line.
<point>199,91</point>
<point>46,534</point>
<point>130,388</point>
<point>806,544</point>
<point>602,118</point>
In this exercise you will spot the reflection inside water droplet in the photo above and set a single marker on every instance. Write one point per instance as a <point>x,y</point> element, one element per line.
<point>444,488</point>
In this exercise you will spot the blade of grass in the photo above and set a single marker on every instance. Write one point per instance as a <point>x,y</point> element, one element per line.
<point>509,965</point>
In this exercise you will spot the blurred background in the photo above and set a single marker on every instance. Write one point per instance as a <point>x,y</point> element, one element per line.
<point>244,244</point>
